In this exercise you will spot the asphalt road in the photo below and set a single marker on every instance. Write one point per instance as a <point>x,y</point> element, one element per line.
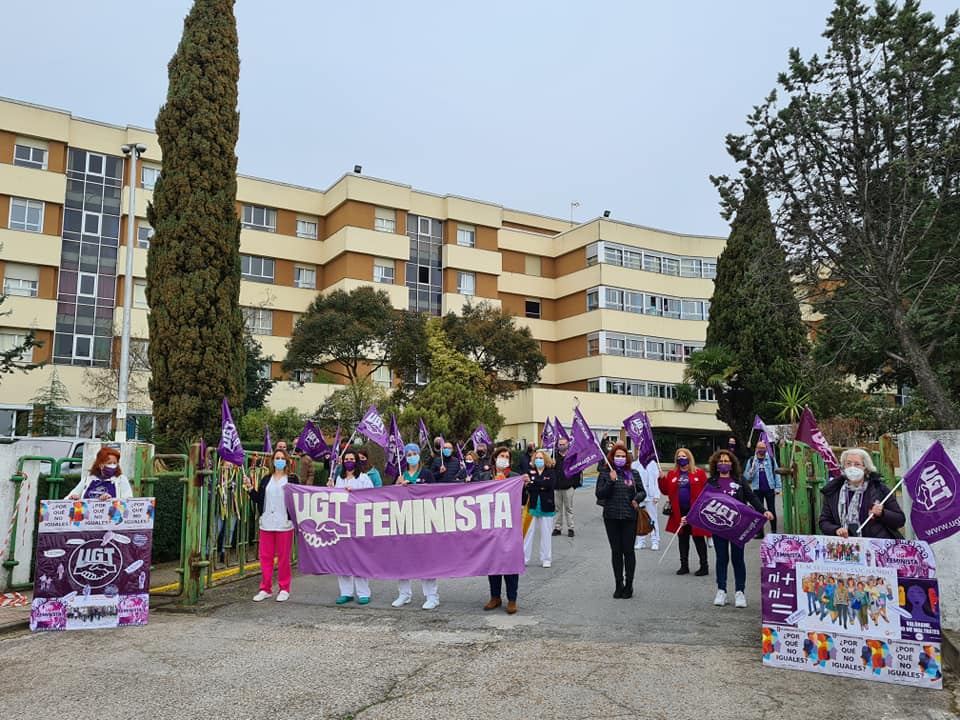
<point>571,652</point>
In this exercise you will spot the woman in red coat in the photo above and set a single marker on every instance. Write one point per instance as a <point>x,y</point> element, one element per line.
<point>683,485</point>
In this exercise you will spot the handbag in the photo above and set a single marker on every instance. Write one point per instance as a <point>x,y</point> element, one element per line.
<point>644,523</point>
<point>667,508</point>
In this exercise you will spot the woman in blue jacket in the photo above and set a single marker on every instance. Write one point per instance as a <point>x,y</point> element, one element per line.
<point>761,473</point>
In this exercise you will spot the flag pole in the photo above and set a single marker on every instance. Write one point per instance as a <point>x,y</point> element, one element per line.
<point>340,454</point>
<point>669,545</point>
<point>871,515</point>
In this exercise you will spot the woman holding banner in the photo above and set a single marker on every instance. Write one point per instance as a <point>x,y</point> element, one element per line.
<point>363,457</point>
<point>412,474</point>
<point>276,528</point>
<point>105,481</point>
<point>352,477</point>
<point>725,477</point>
<point>539,498</point>
<point>682,486</point>
<point>622,493</point>
<point>474,470</point>
<point>858,502</point>
<point>501,461</point>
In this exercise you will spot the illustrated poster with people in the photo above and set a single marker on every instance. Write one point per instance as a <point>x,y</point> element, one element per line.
<point>93,564</point>
<point>856,607</point>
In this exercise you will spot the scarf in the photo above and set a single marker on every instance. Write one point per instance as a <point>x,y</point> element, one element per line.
<point>848,506</point>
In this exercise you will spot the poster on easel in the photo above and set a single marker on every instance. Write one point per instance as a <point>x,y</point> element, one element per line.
<point>93,564</point>
<point>852,607</point>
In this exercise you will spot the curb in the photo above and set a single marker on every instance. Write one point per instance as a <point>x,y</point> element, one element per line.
<point>950,649</point>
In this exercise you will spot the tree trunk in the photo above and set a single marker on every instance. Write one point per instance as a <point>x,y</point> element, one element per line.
<point>937,397</point>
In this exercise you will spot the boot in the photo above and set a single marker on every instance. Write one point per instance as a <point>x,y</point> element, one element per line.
<point>618,593</point>
<point>627,591</point>
<point>704,570</point>
<point>684,568</point>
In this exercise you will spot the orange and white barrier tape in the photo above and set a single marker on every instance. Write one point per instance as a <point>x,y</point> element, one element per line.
<point>13,599</point>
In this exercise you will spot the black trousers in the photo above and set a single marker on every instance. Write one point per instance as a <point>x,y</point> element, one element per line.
<point>621,535</point>
<point>770,497</point>
<point>684,542</point>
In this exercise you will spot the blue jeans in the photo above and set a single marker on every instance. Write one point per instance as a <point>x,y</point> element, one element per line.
<point>727,551</point>
<point>812,603</point>
<point>512,582</point>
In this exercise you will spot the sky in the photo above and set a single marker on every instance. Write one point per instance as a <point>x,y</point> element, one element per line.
<point>530,104</point>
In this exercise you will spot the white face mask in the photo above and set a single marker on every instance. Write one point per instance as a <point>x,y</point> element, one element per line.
<point>853,474</point>
<point>503,463</point>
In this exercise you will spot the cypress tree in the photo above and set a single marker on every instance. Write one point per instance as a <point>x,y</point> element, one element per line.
<point>755,316</point>
<point>193,265</point>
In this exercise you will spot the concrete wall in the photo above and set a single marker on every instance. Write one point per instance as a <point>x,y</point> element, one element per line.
<point>912,445</point>
<point>26,513</point>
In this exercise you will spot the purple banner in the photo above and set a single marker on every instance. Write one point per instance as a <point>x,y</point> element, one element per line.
<point>93,564</point>
<point>933,483</point>
<point>584,450</point>
<point>855,607</point>
<point>480,436</point>
<point>639,430</point>
<point>394,463</point>
<point>312,443</point>
<point>723,515</point>
<point>809,432</point>
<point>230,447</point>
<point>372,426</point>
<point>412,531</point>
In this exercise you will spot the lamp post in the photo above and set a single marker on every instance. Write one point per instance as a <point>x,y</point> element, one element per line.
<point>132,152</point>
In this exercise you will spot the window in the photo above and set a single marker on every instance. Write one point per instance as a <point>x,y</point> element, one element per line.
<point>139,353</point>
<point>29,155</point>
<point>671,307</point>
<point>265,370</point>
<point>613,255</point>
<point>467,283</point>
<point>144,235</point>
<point>10,339</point>
<point>532,308</point>
<point>381,377</point>
<point>22,280</point>
<point>91,223</point>
<point>26,215</point>
<point>140,294</point>
<point>532,265</point>
<point>674,352</point>
<point>466,236</point>
<point>95,164</point>
<point>690,267</point>
<point>307,229</point>
<point>613,298</point>
<point>304,277</point>
<point>654,350</point>
<point>671,266</point>
<point>424,225</point>
<point>385,219</point>
<point>651,263</point>
<point>302,376</point>
<point>383,271</point>
<point>258,269</point>
<point>593,299</point>
<point>593,250</point>
<point>633,301</point>
<point>691,310</point>
<point>709,269</point>
<point>258,321</point>
<point>593,386</point>
<point>87,285</point>
<point>632,259</point>
<point>256,217</point>
<point>706,395</point>
<point>83,347</point>
<point>148,176</point>
<point>616,344</point>
<point>593,344</point>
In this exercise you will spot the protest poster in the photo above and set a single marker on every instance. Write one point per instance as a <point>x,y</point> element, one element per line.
<point>854,607</point>
<point>412,531</point>
<point>93,564</point>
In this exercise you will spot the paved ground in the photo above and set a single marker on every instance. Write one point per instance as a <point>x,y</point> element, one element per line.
<point>572,652</point>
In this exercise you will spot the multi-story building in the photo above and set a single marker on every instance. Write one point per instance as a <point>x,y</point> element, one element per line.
<point>617,308</point>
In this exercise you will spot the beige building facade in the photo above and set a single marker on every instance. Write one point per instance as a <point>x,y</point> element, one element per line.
<point>617,308</point>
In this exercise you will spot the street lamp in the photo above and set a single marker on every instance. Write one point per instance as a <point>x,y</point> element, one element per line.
<point>132,152</point>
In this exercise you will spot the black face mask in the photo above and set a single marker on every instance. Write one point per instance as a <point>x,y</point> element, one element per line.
<point>481,453</point>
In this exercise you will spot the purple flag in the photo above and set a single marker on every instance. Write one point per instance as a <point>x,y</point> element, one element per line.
<point>584,449</point>
<point>561,432</point>
<point>312,443</point>
<point>335,449</point>
<point>548,438</point>
<point>765,433</point>
<point>640,432</point>
<point>230,447</point>
<point>480,436</point>
<point>460,453</point>
<point>372,426</point>
<point>394,449</point>
<point>933,483</point>
<point>424,435</point>
<point>267,444</point>
<point>808,432</point>
<point>725,516</point>
<point>431,530</point>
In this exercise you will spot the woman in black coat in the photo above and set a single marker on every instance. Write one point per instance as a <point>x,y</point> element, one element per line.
<point>539,483</point>
<point>856,497</point>
<point>621,493</point>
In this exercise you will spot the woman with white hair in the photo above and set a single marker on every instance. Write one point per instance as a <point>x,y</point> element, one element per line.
<point>858,496</point>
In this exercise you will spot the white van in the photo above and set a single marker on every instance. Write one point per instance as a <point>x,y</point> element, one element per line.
<point>57,448</point>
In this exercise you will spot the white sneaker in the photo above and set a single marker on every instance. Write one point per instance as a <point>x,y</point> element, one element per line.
<point>638,545</point>
<point>282,596</point>
<point>401,601</point>
<point>740,600</point>
<point>721,598</point>
<point>431,602</point>
<point>655,547</point>
<point>546,563</point>
<point>709,542</point>
<point>261,596</point>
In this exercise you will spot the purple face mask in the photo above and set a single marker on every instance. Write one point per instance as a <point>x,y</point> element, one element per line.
<point>683,462</point>
<point>619,461</point>
<point>108,471</point>
<point>349,465</point>
<point>723,467</point>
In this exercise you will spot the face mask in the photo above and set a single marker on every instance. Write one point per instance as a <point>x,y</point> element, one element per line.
<point>109,470</point>
<point>362,462</point>
<point>413,460</point>
<point>723,468</point>
<point>683,462</point>
<point>761,453</point>
<point>853,474</point>
<point>349,465</point>
<point>538,463</point>
<point>447,452</point>
<point>279,463</point>
<point>481,452</point>
<point>562,449</point>
<point>619,461</point>
<point>732,445</point>
<point>468,464</point>
<point>503,463</point>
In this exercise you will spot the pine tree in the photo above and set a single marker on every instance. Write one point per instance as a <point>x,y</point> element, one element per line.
<point>48,417</point>
<point>193,265</point>
<point>754,317</point>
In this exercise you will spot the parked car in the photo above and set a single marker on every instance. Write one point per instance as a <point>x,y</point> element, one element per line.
<point>57,448</point>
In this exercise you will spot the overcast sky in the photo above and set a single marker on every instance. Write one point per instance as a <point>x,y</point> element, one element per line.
<point>617,105</point>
